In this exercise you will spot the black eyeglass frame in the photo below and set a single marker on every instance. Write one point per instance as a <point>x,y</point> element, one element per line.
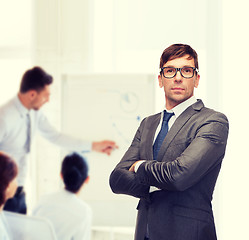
<point>180,70</point>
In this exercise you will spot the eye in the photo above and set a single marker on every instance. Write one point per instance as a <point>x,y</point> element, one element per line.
<point>169,70</point>
<point>187,70</point>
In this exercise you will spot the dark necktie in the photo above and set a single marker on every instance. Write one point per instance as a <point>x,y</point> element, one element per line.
<point>162,134</point>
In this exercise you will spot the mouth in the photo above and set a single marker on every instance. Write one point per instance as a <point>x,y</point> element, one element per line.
<point>177,89</point>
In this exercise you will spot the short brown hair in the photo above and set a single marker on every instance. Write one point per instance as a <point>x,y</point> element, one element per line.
<point>176,51</point>
<point>8,171</point>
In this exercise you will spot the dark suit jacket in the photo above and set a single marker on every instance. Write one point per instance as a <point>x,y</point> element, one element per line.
<point>186,171</point>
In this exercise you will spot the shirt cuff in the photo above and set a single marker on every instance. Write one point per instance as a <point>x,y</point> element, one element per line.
<point>138,165</point>
<point>152,188</point>
<point>88,147</point>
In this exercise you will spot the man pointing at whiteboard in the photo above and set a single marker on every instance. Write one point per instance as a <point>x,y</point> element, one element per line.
<point>21,117</point>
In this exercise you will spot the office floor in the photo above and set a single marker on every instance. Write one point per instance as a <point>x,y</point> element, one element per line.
<point>112,233</point>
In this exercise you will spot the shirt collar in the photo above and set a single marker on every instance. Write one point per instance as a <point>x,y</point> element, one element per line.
<point>180,108</point>
<point>22,110</point>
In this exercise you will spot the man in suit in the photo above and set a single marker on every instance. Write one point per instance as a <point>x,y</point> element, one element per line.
<point>174,175</point>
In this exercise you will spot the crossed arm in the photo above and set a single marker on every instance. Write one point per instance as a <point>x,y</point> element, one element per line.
<point>204,153</point>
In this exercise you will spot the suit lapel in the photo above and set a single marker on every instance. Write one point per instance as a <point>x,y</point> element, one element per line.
<point>151,130</point>
<point>178,124</point>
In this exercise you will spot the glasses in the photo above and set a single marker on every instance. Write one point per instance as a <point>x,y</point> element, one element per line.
<point>186,72</point>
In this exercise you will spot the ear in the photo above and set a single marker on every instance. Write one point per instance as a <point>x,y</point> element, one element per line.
<point>197,81</point>
<point>32,94</point>
<point>160,81</point>
<point>87,179</point>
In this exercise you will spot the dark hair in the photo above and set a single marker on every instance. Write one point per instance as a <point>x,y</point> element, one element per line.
<point>8,171</point>
<point>176,51</point>
<point>74,171</point>
<point>35,79</point>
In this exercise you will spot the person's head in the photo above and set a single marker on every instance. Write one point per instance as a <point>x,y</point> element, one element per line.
<point>35,86</point>
<point>74,171</point>
<point>8,175</point>
<point>178,73</point>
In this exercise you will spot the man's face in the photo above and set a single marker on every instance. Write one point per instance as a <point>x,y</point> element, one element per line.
<point>178,89</point>
<point>40,98</point>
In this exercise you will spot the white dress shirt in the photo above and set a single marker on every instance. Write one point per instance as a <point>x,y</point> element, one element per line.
<point>13,134</point>
<point>70,216</point>
<point>4,232</point>
<point>177,110</point>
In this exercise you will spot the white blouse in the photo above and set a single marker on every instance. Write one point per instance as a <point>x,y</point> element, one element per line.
<point>70,216</point>
<point>4,235</point>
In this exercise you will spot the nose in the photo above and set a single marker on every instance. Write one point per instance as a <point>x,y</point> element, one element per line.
<point>178,76</point>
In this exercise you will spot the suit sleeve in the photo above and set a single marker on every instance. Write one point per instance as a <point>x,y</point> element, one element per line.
<point>122,181</point>
<point>206,151</point>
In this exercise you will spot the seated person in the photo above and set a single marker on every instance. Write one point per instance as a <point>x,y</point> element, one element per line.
<point>8,186</point>
<point>70,216</point>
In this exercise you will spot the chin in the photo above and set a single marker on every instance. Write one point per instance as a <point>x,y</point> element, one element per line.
<point>36,108</point>
<point>181,98</point>
<point>178,100</point>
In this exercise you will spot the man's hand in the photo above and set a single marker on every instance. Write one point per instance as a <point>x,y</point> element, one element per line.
<point>105,146</point>
<point>132,168</point>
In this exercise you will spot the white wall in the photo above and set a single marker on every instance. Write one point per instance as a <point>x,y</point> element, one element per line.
<point>116,36</point>
<point>235,85</point>
<point>122,37</point>
<point>15,44</point>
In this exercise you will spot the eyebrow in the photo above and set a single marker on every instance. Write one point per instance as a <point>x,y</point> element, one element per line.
<point>180,67</point>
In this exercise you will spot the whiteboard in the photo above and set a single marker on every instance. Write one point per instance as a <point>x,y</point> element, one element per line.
<point>107,106</point>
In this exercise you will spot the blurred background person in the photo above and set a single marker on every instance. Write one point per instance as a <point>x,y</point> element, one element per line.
<point>20,118</point>
<point>70,216</point>
<point>8,186</point>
